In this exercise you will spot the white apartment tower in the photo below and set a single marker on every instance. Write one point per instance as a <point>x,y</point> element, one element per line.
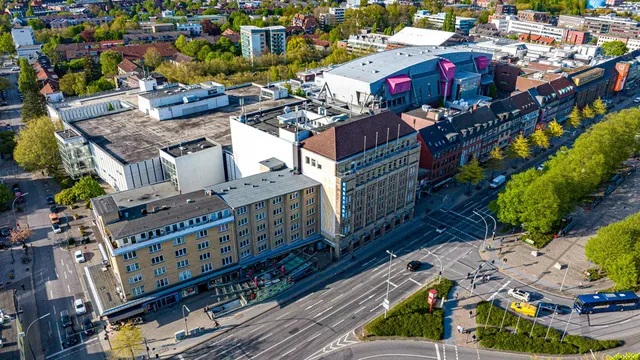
<point>259,41</point>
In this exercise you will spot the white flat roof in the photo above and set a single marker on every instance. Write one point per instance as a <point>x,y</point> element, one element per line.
<point>420,37</point>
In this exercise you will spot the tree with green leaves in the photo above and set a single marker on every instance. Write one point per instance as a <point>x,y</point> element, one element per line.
<point>6,43</point>
<point>91,70</point>
<point>66,197</point>
<point>27,79</point>
<point>127,342</point>
<point>575,118</point>
<point>152,57</point>
<point>6,195</point>
<point>614,48</point>
<point>554,129</point>
<point>470,173</point>
<point>599,107</point>
<point>627,356</point>
<point>109,61</point>
<point>36,148</point>
<point>5,84</point>
<point>87,188</point>
<point>588,112</point>
<point>539,139</point>
<point>7,142</point>
<point>520,148</point>
<point>33,103</point>
<point>496,160</point>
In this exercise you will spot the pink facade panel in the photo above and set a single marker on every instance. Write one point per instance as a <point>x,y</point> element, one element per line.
<point>399,84</point>
<point>447,72</point>
<point>482,62</point>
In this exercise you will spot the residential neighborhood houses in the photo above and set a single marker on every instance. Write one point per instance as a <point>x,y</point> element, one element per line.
<point>187,167</point>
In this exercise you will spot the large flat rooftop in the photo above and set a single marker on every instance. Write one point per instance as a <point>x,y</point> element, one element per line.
<point>131,136</point>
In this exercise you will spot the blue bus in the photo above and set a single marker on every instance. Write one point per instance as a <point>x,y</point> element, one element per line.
<point>604,302</point>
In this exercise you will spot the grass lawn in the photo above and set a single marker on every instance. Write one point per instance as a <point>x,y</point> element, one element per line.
<point>411,317</point>
<point>491,338</point>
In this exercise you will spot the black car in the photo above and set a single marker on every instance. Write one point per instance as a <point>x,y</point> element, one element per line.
<point>53,209</point>
<point>50,199</point>
<point>87,326</point>
<point>5,231</point>
<point>414,265</point>
<point>65,319</point>
<point>71,337</point>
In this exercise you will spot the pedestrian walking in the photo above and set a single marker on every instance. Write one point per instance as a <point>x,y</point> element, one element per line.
<point>455,296</point>
<point>22,285</point>
<point>473,338</point>
<point>470,314</point>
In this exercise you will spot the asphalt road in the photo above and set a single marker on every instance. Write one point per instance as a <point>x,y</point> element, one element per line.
<point>11,113</point>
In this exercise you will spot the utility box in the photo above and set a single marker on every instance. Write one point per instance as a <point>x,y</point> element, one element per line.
<point>180,335</point>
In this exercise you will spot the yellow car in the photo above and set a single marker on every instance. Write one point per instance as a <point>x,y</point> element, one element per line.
<point>524,308</point>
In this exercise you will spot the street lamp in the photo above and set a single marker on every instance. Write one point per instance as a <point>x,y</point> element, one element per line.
<point>486,230</point>
<point>13,207</point>
<point>186,328</point>
<point>440,261</point>
<point>386,307</point>
<point>26,334</point>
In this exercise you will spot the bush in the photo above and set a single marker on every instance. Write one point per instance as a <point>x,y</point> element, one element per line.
<point>540,240</point>
<point>411,318</point>
<point>490,337</point>
<point>66,197</point>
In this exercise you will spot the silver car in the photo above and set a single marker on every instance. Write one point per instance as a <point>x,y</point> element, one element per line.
<point>519,295</point>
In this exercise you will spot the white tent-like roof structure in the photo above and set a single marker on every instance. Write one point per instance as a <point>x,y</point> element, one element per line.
<point>412,36</point>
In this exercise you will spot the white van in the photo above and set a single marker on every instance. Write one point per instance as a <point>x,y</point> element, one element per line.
<point>498,181</point>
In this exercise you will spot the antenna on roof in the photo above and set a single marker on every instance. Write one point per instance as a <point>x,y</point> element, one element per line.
<point>376,148</point>
<point>398,138</point>
<point>365,147</point>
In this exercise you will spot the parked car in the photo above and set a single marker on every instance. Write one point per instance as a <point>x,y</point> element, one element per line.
<point>519,295</point>
<point>5,231</point>
<point>80,308</point>
<point>50,199</point>
<point>65,319</point>
<point>499,180</point>
<point>71,338</point>
<point>636,100</point>
<point>414,265</point>
<point>79,257</point>
<point>441,229</point>
<point>87,326</point>
<point>540,167</point>
<point>524,308</point>
<point>56,228</point>
<point>15,68</point>
<point>16,188</point>
<point>8,126</point>
<point>53,209</point>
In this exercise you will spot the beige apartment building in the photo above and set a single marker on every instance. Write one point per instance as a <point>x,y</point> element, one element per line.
<point>368,169</point>
<point>164,246</point>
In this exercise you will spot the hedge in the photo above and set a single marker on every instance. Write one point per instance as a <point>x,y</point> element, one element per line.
<point>490,337</point>
<point>411,318</point>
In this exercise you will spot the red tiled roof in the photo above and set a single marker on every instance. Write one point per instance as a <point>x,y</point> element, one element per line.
<point>342,141</point>
<point>138,51</point>
<point>127,66</point>
<point>50,87</point>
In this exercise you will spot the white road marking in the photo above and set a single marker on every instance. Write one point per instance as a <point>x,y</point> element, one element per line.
<point>256,329</point>
<point>283,315</point>
<point>501,288</point>
<point>368,262</point>
<point>437,351</point>
<point>357,286</point>
<point>316,335</point>
<point>69,348</point>
<point>303,298</point>
<point>309,307</point>
<point>394,285</point>
<point>322,312</point>
<point>375,308</point>
<point>337,297</point>
<point>51,295</point>
<point>288,352</point>
<point>264,337</point>
<point>357,311</point>
<point>62,261</point>
<point>65,275</point>
<point>367,299</point>
<point>338,323</point>
<point>397,355</point>
<point>68,288</point>
<point>180,357</point>
<point>417,283</point>
<point>291,323</point>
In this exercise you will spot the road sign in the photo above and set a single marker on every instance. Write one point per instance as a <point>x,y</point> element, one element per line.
<point>385,304</point>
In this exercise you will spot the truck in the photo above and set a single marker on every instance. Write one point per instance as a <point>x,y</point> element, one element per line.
<point>499,180</point>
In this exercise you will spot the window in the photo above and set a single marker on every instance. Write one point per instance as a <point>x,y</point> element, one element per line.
<point>243,232</point>
<point>261,227</point>
<point>241,210</point>
<point>276,200</point>
<point>182,263</point>
<point>159,271</point>
<point>162,283</point>
<point>310,191</point>
<point>245,254</point>
<point>263,248</point>
<point>184,275</point>
<point>311,231</point>
<point>155,248</point>
<point>311,201</point>
<point>243,221</point>
<point>279,242</point>
<point>133,267</point>
<point>295,206</point>
<point>205,268</point>
<point>278,232</point>
<point>260,216</point>
<point>311,222</point>
<point>178,241</point>
<point>227,261</point>
<point>137,291</point>
<point>319,166</point>
<point>295,227</point>
<point>202,233</point>
<point>259,205</point>
<point>262,237</point>
<point>306,160</point>
<point>130,255</point>
<point>181,252</point>
<point>225,249</point>
<point>277,222</point>
<point>223,228</point>
<point>135,279</point>
<point>205,256</point>
<point>277,211</point>
<point>311,211</point>
<point>295,216</point>
<point>295,237</point>
<point>157,260</point>
<point>203,245</point>
<point>313,162</point>
<point>294,195</point>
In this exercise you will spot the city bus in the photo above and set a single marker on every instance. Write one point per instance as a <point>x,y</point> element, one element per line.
<point>604,302</point>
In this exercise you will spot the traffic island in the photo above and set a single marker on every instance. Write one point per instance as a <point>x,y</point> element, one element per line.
<point>412,317</point>
<point>502,330</point>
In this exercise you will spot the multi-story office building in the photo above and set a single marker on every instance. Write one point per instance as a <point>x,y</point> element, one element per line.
<point>463,23</point>
<point>23,36</point>
<point>364,43</point>
<point>75,153</point>
<point>572,22</point>
<point>368,170</point>
<point>259,41</point>
<point>194,28</point>
<point>534,16</point>
<point>536,28</point>
<point>505,9</point>
<point>338,12</point>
